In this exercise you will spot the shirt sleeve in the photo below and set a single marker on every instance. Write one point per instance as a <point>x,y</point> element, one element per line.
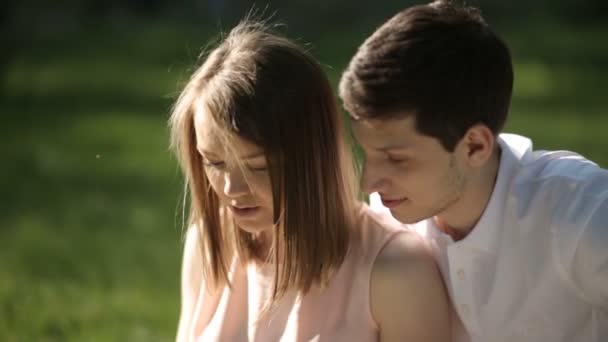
<point>589,263</point>
<point>590,271</point>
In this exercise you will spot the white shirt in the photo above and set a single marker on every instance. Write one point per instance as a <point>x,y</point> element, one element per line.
<point>535,266</point>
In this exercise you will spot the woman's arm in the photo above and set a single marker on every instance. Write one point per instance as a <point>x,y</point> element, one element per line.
<point>408,297</point>
<point>191,283</point>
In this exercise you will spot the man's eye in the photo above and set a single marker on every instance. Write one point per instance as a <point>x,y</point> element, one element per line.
<point>397,160</point>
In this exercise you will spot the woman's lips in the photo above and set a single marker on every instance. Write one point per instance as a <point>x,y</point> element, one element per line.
<point>244,211</point>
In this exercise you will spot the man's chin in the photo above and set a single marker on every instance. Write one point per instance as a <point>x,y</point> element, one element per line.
<point>406,218</point>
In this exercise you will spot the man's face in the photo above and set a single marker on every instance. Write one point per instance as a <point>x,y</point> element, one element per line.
<point>414,175</point>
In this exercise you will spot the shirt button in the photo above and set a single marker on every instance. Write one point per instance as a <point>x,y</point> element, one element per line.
<point>460,274</point>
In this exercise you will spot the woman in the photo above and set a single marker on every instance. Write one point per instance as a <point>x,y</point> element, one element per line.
<point>278,247</point>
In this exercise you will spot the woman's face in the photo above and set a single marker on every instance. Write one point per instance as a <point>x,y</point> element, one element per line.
<point>237,172</point>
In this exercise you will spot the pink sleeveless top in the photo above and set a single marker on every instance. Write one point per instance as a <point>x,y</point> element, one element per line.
<point>339,312</point>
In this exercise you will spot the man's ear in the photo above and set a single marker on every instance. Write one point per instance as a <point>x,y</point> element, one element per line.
<point>477,145</point>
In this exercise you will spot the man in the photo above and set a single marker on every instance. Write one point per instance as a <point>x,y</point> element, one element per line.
<point>521,236</point>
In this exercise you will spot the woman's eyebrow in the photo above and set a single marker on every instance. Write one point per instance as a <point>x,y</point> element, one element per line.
<point>252,155</point>
<point>245,157</point>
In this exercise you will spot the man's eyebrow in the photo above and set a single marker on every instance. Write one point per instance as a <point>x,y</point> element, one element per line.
<point>391,148</point>
<point>398,148</point>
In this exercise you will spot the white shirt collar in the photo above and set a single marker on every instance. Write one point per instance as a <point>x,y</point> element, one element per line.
<point>486,233</point>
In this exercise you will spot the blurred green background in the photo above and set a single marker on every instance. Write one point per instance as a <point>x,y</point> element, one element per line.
<point>90,224</point>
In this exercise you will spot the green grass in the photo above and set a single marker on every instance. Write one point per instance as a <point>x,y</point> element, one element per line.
<point>90,237</point>
<point>559,98</point>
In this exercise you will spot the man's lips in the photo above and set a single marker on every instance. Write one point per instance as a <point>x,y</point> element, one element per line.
<point>391,203</point>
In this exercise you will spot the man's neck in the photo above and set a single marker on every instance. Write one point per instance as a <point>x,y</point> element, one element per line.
<point>460,218</point>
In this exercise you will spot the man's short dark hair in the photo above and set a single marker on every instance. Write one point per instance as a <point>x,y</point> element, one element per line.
<point>440,62</point>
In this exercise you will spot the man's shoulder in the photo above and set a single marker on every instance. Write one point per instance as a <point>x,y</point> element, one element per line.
<point>558,187</point>
<point>544,165</point>
<point>559,172</point>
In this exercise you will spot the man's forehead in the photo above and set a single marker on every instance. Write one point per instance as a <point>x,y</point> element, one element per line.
<point>384,134</point>
<point>398,126</point>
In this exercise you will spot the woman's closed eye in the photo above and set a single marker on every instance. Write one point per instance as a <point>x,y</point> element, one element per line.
<point>257,167</point>
<point>220,165</point>
<point>214,164</point>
